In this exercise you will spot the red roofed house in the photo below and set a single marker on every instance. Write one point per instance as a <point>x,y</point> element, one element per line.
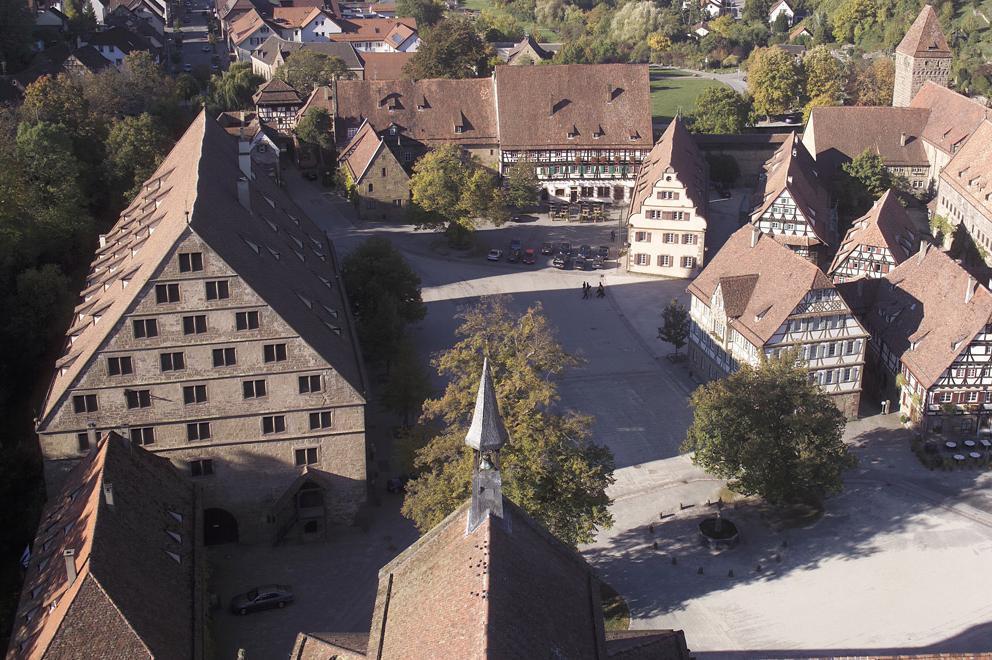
<point>489,581</point>
<point>380,182</point>
<point>757,298</point>
<point>922,55</point>
<point>246,33</point>
<point>667,214</point>
<point>877,242</point>
<point>931,331</point>
<point>117,568</point>
<point>382,35</point>
<point>304,24</point>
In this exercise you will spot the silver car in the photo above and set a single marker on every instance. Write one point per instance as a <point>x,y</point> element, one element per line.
<point>264,597</point>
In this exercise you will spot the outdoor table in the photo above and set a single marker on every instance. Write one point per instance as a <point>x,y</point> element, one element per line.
<point>950,445</point>
<point>975,454</point>
<point>958,457</point>
<point>985,443</point>
<point>969,443</point>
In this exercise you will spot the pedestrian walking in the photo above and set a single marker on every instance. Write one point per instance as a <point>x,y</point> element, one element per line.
<point>585,290</point>
<point>601,292</point>
<point>613,235</point>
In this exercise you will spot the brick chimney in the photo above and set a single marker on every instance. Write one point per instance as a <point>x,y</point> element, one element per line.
<point>755,234</point>
<point>969,292</point>
<point>903,139</point>
<point>70,565</point>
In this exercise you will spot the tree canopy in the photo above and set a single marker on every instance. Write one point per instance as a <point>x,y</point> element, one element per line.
<point>425,12</point>
<point>232,89</point>
<point>135,146</point>
<point>771,432</point>
<point>305,70</point>
<point>522,185</point>
<point>451,189</point>
<point>774,81</point>
<point>720,110</point>
<point>550,467</point>
<point>674,324</point>
<point>453,48</point>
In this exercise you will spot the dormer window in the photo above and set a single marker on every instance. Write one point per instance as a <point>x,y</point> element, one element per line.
<point>459,129</point>
<point>573,133</point>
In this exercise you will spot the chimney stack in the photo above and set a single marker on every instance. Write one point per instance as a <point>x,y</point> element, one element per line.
<point>970,291</point>
<point>244,194</point>
<point>755,234</point>
<point>244,155</point>
<point>91,432</point>
<point>903,139</point>
<point>70,565</point>
<point>103,240</point>
<point>108,493</point>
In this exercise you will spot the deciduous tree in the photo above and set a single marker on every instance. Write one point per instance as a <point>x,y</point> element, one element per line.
<point>135,147</point>
<point>720,110</point>
<point>16,24</point>
<point>675,324</point>
<point>550,466</point>
<point>408,384</point>
<point>634,21</point>
<point>425,12</point>
<point>824,75</point>
<point>774,80</point>
<point>453,48</point>
<point>305,70</point>
<point>455,190</point>
<point>871,83</point>
<point>522,185</point>
<point>315,128</point>
<point>770,432</point>
<point>233,89</point>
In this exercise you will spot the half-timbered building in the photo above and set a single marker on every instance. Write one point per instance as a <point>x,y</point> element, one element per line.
<point>792,204</point>
<point>878,241</point>
<point>276,104</point>
<point>931,340</point>
<point>757,298</point>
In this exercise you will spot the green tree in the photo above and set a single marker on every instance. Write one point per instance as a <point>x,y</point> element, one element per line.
<point>522,185</point>
<point>634,21</point>
<point>859,184</point>
<point>408,384</point>
<point>675,324</point>
<point>852,18</point>
<point>871,83</point>
<point>305,70</point>
<point>425,12</point>
<point>135,147</point>
<point>233,89</point>
<point>825,76</point>
<point>868,169</point>
<point>550,467</point>
<point>315,128</point>
<point>452,48</point>
<point>16,24</point>
<point>771,432</point>
<point>720,109</point>
<point>774,80</point>
<point>453,190</point>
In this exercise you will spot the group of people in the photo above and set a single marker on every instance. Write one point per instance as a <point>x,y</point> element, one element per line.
<point>587,290</point>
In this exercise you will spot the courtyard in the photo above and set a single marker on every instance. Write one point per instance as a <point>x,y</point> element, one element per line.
<point>896,563</point>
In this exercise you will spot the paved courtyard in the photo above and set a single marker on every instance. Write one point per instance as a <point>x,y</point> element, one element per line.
<point>899,561</point>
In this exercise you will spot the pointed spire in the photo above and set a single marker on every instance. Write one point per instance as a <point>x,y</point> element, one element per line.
<point>486,433</point>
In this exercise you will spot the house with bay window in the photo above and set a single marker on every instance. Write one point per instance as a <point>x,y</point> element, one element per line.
<point>757,298</point>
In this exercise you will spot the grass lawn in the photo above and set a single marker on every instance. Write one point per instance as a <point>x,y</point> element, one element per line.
<point>673,90</point>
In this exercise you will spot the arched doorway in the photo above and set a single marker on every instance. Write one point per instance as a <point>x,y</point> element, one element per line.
<point>219,526</point>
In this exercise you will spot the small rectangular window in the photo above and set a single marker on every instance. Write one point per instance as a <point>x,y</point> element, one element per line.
<point>194,394</point>
<point>84,403</point>
<point>138,398</point>
<point>320,420</point>
<point>246,320</point>
<point>225,357</point>
<point>307,456</point>
<point>119,366</point>
<point>273,424</point>
<point>197,431</point>
<point>172,361</point>
<point>144,435</point>
<point>202,467</point>
<point>253,389</point>
<point>190,262</point>
<point>166,293</point>
<point>218,290</point>
<point>145,328</point>
<point>309,384</point>
<point>83,439</point>
<point>274,352</point>
<point>194,325</point>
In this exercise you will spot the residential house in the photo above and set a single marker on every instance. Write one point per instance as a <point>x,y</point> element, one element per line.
<point>781,8</point>
<point>383,66</point>
<point>964,195</point>
<point>140,16</point>
<point>489,581</point>
<point>85,60</point>
<point>710,8</point>
<point>585,127</point>
<point>117,42</point>
<point>213,330</point>
<point>876,243</point>
<point>701,29</point>
<point>273,53</point>
<point>757,298</point>
<point>527,51</point>
<point>792,204</point>
<point>922,55</point>
<point>228,11</point>
<point>158,8</point>
<point>263,140</point>
<point>50,26</point>
<point>931,341</point>
<point>304,24</point>
<point>800,31</point>
<point>276,104</point>
<point>117,568</point>
<point>372,163</point>
<point>246,33</point>
<point>666,219</point>
<point>389,35</point>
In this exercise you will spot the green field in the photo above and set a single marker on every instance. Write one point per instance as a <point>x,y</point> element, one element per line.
<point>674,91</point>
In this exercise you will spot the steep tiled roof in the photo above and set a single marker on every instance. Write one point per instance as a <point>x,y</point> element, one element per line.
<point>272,47</point>
<point>529,42</point>
<point>276,92</point>
<point>399,34</point>
<point>232,6</point>
<point>135,593</point>
<point>953,117</point>
<point>430,111</point>
<point>359,153</point>
<point>841,133</point>
<point>923,302</point>
<point>600,105</point>
<point>777,278</point>
<point>369,29</point>
<point>674,152</point>
<point>125,40</point>
<point>384,66</point>
<point>924,37</point>
<point>791,168</point>
<point>90,58</point>
<point>291,18</point>
<point>970,169</point>
<point>245,26</point>
<point>195,190</point>
<point>886,225</point>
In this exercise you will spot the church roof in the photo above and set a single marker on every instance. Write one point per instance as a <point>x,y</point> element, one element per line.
<point>486,432</point>
<point>925,38</point>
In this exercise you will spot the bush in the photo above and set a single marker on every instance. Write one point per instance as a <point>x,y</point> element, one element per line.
<point>730,61</point>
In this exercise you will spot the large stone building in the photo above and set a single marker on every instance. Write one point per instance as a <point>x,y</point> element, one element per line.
<point>489,581</point>
<point>964,196</point>
<point>931,341</point>
<point>117,567</point>
<point>375,175</point>
<point>792,204</point>
<point>666,220</point>
<point>213,330</point>
<point>876,243</point>
<point>922,55</point>
<point>756,298</point>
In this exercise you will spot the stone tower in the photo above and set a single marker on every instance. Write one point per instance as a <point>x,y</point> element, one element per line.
<point>923,54</point>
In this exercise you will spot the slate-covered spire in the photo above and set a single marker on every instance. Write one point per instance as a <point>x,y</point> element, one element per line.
<point>486,433</point>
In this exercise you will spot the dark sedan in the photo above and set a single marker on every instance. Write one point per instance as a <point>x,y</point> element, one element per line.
<point>265,597</point>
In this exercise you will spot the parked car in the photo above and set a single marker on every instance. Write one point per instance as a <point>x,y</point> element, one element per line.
<point>516,218</point>
<point>528,257</point>
<point>514,256</point>
<point>585,251</point>
<point>310,175</point>
<point>264,597</point>
<point>515,244</point>
<point>603,252</point>
<point>494,255</point>
<point>187,67</point>
<point>598,262</point>
<point>547,248</point>
<point>206,48</point>
<point>562,260</point>
<point>564,248</point>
